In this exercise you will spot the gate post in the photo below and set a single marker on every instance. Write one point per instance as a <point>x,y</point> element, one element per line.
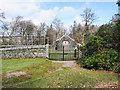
<point>47,50</point>
<point>63,53</point>
<point>75,53</point>
<point>78,51</point>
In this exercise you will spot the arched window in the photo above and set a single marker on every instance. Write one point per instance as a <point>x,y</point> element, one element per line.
<point>65,43</point>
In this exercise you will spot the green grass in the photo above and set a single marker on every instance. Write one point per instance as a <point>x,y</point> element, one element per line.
<point>34,67</point>
<point>37,69</point>
<point>21,64</point>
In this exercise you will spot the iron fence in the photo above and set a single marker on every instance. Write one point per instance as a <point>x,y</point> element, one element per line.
<point>63,54</point>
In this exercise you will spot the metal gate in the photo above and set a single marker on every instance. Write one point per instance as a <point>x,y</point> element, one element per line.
<point>63,54</point>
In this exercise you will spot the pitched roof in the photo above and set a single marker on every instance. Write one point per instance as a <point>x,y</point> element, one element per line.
<point>65,36</point>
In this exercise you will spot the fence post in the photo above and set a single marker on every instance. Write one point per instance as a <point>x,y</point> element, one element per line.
<point>63,53</point>
<point>47,50</point>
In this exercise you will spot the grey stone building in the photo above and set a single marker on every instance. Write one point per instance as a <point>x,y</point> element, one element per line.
<point>67,42</point>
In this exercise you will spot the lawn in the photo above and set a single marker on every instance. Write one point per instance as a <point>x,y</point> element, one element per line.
<point>38,75</point>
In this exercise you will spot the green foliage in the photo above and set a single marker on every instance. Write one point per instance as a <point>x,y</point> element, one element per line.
<point>105,59</point>
<point>111,35</point>
<point>94,44</point>
<point>102,50</point>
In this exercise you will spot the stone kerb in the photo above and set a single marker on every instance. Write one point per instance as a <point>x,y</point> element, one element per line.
<point>24,52</point>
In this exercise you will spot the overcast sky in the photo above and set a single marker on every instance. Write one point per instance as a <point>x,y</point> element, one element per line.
<point>67,10</point>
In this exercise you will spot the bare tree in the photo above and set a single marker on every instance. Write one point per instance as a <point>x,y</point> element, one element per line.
<point>77,32</point>
<point>30,27</point>
<point>2,24</point>
<point>51,34</point>
<point>22,28</point>
<point>58,26</point>
<point>41,31</point>
<point>5,30</point>
<point>26,29</point>
<point>14,28</point>
<point>2,16</point>
<point>88,17</point>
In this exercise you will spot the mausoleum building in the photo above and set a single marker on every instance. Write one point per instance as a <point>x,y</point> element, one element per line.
<point>67,42</point>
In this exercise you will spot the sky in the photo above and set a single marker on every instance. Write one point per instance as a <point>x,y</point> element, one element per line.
<point>66,10</point>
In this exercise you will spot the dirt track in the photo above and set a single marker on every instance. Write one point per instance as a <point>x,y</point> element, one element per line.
<point>67,63</point>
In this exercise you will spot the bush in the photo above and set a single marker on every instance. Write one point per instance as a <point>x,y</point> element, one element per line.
<point>102,51</point>
<point>94,44</point>
<point>110,34</point>
<point>105,59</point>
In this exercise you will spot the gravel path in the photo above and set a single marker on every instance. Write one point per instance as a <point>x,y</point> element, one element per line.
<point>67,63</point>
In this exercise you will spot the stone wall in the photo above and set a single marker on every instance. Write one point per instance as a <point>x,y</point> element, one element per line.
<point>38,51</point>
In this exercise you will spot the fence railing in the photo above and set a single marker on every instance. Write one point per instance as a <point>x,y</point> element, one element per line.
<point>64,54</point>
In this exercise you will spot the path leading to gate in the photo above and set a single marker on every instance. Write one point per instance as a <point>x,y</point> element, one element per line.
<point>71,64</point>
<point>67,63</point>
